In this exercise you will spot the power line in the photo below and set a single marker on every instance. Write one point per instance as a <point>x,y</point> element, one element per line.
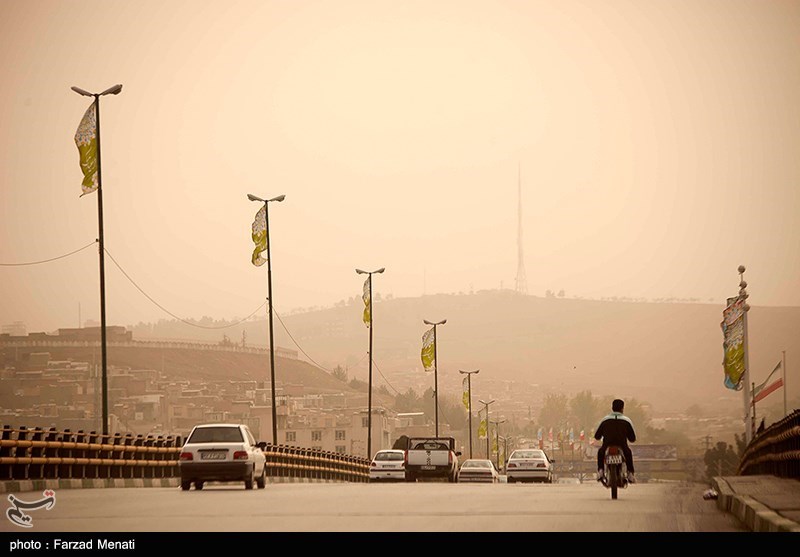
<point>384,377</point>
<point>165,310</point>
<point>296,344</point>
<point>47,260</point>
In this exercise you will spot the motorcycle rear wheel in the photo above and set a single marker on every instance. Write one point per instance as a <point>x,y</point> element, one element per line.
<point>613,480</point>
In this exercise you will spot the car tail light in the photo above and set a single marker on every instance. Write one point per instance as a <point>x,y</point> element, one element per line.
<point>373,464</point>
<point>511,465</point>
<point>450,458</point>
<point>405,457</point>
<point>187,456</point>
<point>240,455</point>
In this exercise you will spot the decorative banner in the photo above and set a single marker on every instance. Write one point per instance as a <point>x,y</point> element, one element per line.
<point>571,438</point>
<point>762,385</point>
<point>429,349</point>
<point>465,396</point>
<point>733,344</point>
<point>550,437</point>
<point>367,303</point>
<point>86,140</point>
<point>259,236</point>
<point>481,426</point>
<point>540,437</point>
<point>763,392</point>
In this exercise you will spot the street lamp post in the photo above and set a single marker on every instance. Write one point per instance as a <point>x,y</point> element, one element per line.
<point>469,405</point>
<point>497,440</point>
<point>435,372</point>
<point>266,202</point>
<point>486,409</point>
<point>369,324</point>
<point>115,90</point>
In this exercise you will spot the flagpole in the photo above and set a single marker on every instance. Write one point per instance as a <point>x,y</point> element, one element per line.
<point>103,354</point>
<point>369,396</point>
<point>785,388</point>
<point>114,90</point>
<point>435,372</point>
<point>749,425</point>
<point>279,198</point>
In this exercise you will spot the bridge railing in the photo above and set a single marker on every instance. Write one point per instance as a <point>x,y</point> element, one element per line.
<point>775,450</point>
<point>34,454</point>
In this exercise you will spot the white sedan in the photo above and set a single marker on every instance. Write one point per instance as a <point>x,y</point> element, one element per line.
<point>388,465</point>
<point>222,453</point>
<point>478,470</point>
<point>529,465</point>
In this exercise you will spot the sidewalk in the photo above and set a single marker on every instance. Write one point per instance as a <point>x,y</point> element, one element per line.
<point>761,503</point>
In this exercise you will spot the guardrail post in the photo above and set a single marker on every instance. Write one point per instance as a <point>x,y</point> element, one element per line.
<point>20,471</point>
<point>92,470</point>
<point>51,453</point>
<point>80,469</point>
<point>37,471</point>
<point>128,471</point>
<point>5,451</point>
<point>65,470</point>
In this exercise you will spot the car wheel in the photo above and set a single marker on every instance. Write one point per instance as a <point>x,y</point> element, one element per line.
<point>199,485</point>
<point>262,479</point>
<point>248,483</point>
<point>186,485</point>
<point>510,480</point>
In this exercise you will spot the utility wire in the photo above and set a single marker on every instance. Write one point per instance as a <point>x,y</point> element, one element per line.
<point>296,344</point>
<point>146,295</point>
<point>384,377</point>
<point>47,260</point>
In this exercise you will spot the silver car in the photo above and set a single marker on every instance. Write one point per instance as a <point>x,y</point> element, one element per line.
<point>222,453</point>
<point>529,465</point>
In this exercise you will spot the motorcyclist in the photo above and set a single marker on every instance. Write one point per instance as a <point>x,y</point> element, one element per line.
<point>615,429</point>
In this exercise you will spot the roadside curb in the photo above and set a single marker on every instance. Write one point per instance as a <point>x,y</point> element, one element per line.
<point>21,486</point>
<point>753,514</point>
<point>16,486</point>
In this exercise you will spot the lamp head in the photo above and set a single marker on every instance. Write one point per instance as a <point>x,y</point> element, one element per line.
<point>113,90</point>
<point>279,198</point>
<point>252,197</point>
<point>81,91</point>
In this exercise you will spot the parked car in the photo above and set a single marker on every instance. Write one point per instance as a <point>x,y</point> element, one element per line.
<point>529,465</point>
<point>388,465</point>
<point>478,470</point>
<point>222,453</point>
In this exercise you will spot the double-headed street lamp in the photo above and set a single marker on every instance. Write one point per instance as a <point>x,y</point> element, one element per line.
<point>486,409</point>
<point>256,224</point>
<point>469,405</point>
<point>497,439</point>
<point>435,372</point>
<point>83,139</point>
<point>368,321</point>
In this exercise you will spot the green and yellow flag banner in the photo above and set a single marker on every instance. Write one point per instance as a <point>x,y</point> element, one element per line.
<point>259,236</point>
<point>367,303</point>
<point>733,343</point>
<point>481,426</point>
<point>86,140</point>
<point>465,396</point>
<point>429,349</point>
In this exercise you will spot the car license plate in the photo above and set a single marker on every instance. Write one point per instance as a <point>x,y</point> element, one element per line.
<point>428,467</point>
<point>215,455</point>
<point>614,459</point>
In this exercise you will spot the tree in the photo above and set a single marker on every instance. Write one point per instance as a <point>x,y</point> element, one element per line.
<point>555,411</point>
<point>586,410</point>
<point>340,373</point>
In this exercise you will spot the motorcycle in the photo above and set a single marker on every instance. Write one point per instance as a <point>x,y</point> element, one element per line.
<point>616,475</point>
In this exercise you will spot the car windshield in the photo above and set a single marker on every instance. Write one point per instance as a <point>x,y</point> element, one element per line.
<point>389,456</point>
<point>477,464</point>
<point>528,454</point>
<point>216,434</point>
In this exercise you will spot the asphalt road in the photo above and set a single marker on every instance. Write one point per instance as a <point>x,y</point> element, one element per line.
<point>399,507</point>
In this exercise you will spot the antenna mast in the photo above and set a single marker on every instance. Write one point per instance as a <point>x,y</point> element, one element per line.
<point>521,282</point>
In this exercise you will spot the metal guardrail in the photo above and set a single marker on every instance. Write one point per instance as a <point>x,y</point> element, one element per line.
<point>775,450</point>
<point>33,454</point>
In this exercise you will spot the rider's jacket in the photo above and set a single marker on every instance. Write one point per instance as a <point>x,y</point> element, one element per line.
<point>615,429</point>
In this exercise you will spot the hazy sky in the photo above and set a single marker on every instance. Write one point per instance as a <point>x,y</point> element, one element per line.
<point>658,143</point>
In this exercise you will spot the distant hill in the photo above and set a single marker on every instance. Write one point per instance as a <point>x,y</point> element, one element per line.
<point>668,354</point>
